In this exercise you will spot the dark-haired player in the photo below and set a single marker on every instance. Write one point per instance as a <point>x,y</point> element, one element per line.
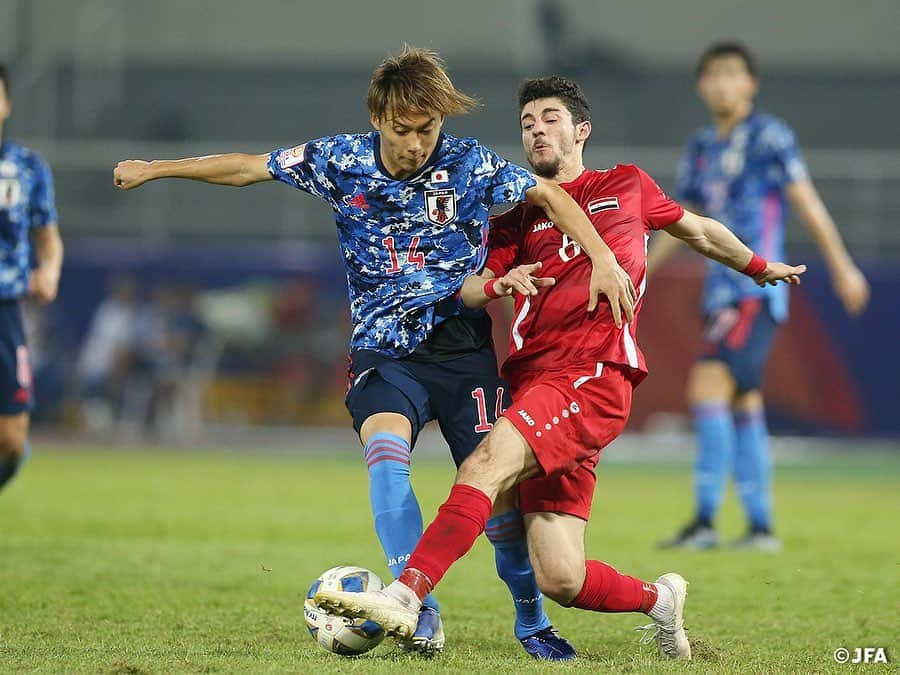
<point>743,169</point>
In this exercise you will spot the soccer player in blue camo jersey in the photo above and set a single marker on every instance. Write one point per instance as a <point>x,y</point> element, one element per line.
<point>741,170</point>
<point>27,210</point>
<point>411,206</point>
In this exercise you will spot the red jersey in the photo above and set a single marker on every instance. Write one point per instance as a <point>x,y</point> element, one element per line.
<point>553,330</point>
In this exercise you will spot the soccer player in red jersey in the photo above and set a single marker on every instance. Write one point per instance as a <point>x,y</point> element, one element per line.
<point>572,374</point>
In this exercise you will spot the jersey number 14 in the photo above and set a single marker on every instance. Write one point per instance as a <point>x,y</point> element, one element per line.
<point>413,256</point>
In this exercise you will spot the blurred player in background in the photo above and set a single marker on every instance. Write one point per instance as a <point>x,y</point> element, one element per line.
<point>572,376</point>
<point>411,206</point>
<point>27,209</point>
<point>741,169</point>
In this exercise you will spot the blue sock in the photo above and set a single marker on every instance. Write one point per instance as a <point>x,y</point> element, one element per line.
<point>715,437</point>
<point>507,533</point>
<point>9,466</point>
<point>753,469</point>
<point>398,518</point>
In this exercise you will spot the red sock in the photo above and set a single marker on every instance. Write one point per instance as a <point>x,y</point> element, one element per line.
<point>605,590</point>
<point>460,520</point>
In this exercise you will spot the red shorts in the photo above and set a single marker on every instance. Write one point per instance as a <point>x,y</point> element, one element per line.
<point>568,417</point>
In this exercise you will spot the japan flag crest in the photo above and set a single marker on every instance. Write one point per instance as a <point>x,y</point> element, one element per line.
<point>440,206</point>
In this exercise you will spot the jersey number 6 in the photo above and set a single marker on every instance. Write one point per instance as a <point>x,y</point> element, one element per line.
<point>568,244</point>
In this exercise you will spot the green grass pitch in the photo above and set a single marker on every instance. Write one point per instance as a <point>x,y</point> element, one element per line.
<point>152,561</point>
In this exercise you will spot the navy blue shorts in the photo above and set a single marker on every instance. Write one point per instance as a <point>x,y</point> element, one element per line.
<point>741,337</point>
<point>15,368</point>
<point>465,394</point>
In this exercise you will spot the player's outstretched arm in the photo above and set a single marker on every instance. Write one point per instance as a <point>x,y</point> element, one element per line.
<point>607,278</point>
<point>479,289</point>
<point>236,169</point>
<point>849,283</point>
<point>711,238</point>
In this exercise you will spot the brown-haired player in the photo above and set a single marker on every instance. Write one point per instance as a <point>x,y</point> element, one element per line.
<point>572,376</point>
<point>411,207</point>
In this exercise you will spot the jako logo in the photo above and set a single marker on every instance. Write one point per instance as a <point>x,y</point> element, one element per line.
<point>525,416</point>
<point>545,225</point>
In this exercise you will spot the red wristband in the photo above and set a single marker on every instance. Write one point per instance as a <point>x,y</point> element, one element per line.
<point>756,265</point>
<point>490,290</point>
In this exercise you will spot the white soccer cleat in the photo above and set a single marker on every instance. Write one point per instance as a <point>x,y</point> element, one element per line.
<point>392,615</point>
<point>671,640</point>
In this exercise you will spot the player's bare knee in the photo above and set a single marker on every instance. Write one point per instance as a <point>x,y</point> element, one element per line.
<point>13,435</point>
<point>749,401</point>
<point>561,583</point>
<point>12,444</point>
<point>710,381</point>
<point>387,422</point>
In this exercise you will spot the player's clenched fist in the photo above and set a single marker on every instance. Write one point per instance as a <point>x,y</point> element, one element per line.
<point>131,173</point>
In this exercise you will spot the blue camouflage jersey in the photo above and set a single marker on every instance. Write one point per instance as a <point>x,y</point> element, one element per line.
<point>407,244</point>
<point>26,201</point>
<point>740,180</point>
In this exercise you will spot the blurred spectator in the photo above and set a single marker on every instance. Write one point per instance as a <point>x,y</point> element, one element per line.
<point>170,347</point>
<point>107,355</point>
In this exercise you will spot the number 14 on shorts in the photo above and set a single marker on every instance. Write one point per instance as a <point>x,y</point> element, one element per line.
<point>479,396</point>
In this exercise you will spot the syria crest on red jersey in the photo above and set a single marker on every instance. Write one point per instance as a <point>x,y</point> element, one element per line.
<point>440,206</point>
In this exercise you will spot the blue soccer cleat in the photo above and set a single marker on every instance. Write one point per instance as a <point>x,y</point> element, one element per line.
<point>428,639</point>
<point>548,645</point>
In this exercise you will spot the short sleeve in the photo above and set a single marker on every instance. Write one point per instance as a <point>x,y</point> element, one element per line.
<point>687,189</point>
<point>306,167</point>
<point>779,144</point>
<point>658,210</point>
<point>504,240</point>
<point>509,182</point>
<point>42,207</point>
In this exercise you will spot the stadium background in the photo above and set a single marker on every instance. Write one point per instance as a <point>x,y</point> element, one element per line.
<point>193,467</point>
<point>244,288</point>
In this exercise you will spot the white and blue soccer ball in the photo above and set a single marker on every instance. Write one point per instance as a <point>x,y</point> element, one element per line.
<point>338,634</point>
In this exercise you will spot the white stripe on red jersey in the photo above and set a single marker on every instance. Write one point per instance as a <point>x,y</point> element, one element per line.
<point>553,329</point>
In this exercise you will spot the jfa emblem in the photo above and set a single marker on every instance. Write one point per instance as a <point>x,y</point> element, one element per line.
<point>440,206</point>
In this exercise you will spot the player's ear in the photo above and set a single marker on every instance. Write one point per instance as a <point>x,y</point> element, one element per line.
<point>583,131</point>
<point>754,86</point>
<point>376,122</point>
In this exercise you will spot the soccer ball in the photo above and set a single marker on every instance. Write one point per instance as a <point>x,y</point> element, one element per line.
<point>338,634</point>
